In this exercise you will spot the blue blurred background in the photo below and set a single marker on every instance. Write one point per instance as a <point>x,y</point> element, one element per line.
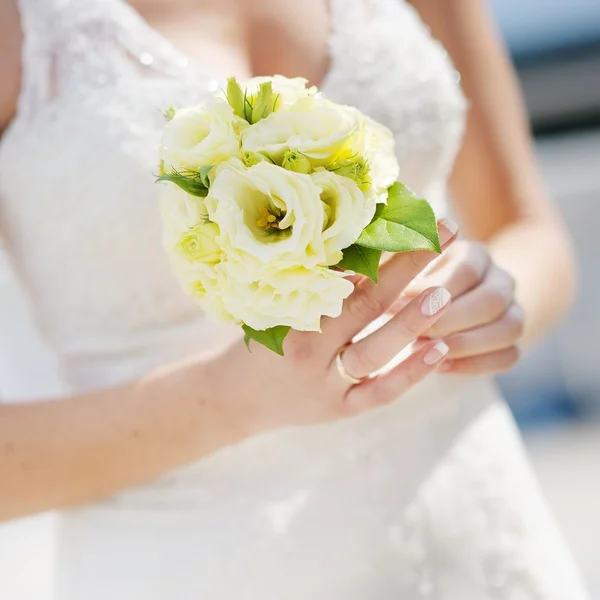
<point>554,392</point>
<point>556,47</point>
<point>537,27</point>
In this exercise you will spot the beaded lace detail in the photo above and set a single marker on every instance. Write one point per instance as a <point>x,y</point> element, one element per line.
<point>78,205</point>
<point>400,76</point>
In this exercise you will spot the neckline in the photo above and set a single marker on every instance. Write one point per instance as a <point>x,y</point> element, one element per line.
<point>189,65</point>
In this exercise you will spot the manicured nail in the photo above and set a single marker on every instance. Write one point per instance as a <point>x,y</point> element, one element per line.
<point>435,301</point>
<point>447,230</point>
<point>435,354</point>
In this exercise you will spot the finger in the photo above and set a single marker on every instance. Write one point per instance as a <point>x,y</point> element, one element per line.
<point>485,304</point>
<point>492,362</point>
<point>377,349</point>
<point>386,388</point>
<point>500,334</point>
<point>369,300</point>
<point>398,304</point>
<point>462,270</point>
<point>355,279</point>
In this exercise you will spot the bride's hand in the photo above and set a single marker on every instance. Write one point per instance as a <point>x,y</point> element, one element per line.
<point>484,324</point>
<point>322,375</point>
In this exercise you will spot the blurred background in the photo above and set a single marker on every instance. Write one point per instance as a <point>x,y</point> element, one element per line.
<point>554,392</point>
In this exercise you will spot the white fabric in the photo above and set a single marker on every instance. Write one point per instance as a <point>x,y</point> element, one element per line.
<point>430,497</point>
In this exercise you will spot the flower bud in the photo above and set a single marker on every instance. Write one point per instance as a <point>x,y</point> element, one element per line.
<point>235,97</point>
<point>169,113</point>
<point>198,243</point>
<point>356,169</point>
<point>297,162</point>
<point>253,158</point>
<point>264,103</point>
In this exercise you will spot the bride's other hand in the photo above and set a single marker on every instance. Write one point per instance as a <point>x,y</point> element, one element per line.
<point>324,376</point>
<point>498,194</point>
<point>483,326</point>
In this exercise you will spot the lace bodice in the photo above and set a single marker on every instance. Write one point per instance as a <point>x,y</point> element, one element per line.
<point>79,211</point>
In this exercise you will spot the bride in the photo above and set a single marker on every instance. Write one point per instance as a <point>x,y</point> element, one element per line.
<point>187,467</point>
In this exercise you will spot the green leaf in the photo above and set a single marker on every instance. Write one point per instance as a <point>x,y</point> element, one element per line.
<point>195,183</point>
<point>378,211</point>
<point>405,223</point>
<point>203,174</point>
<point>271,338</point>
<point>235,97</point>
<point>361,260</point>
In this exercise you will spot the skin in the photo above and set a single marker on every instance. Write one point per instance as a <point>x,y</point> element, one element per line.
<point>501,203</point>
<point>79,449</point>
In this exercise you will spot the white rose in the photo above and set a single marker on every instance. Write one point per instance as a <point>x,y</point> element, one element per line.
<point>319,129</point>
<point>191,243</point>
<point>179,211</point>
<point>203,284</point>
<point>296,297</point>
<point>200,279</point>
<point>377,147</point>
<point>289,90</point>
<point>348,211</point>
<point>200,136</point>
<point>267,215</point>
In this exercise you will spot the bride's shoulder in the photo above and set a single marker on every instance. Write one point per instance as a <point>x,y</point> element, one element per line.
<point>10,60</point>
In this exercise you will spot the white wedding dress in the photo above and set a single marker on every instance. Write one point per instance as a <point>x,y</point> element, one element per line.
<point>430,497</point>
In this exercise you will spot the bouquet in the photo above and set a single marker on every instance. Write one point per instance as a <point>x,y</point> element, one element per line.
<point>274,196</point>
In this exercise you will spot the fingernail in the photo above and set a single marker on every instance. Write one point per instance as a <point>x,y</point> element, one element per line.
<point>448,229</point>
<point>435,301</point>
<point>435,354</point>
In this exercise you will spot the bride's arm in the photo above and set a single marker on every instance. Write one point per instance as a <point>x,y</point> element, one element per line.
<point>74,450</point>
<point>498,193</point>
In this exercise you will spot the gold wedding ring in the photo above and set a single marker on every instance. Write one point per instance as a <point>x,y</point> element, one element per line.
<point>339,363</point>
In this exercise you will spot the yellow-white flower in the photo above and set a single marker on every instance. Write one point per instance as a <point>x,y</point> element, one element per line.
<point>348,211</point>
<point>289,90</point>
<point>179,212</point>
<point>271,224</point>
<point>201,135</point>
<point>295,179</point>
<point>377,147</point>
<point>191,243</point>
<point>320,130</point>
<point>267,216</point>
<point>296,296</point>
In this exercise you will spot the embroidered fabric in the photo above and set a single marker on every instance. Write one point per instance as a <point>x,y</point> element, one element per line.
<point>430,497</point>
